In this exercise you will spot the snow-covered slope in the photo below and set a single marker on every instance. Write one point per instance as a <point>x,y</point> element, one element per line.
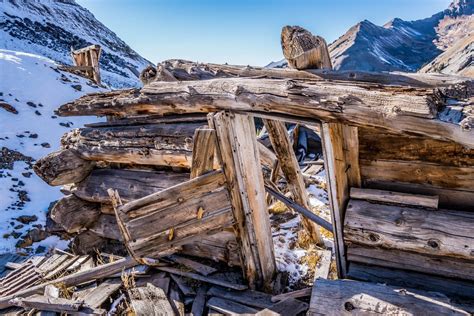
<point>51,27</point>
<point>31,88</point>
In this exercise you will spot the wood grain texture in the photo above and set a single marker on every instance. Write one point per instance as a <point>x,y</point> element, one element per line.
<point>203,151</point>
<point>437,233</point>
<point>289,165</point>
<point>419,172</point>
<point>392,258</point>
<point>429,201</point>
<point>149,300</point>
<point>304,50</point>
<point>74,214</point>
<point>376,144</point>
<point>345,297</point>
<point>405,110</point>
<point>62,167</point>
<point>239,155</point>
<point>131,184</point>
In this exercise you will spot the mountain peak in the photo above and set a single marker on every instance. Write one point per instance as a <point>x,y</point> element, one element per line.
<point>461,7</point>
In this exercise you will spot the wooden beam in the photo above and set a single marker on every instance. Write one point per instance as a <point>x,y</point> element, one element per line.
<point>289,165</point>
<point>239,156</point>
<point>353,297</point>
<point>441,233</point>
<point>203,151</point>
<point>429,201</point>
<point>340,148</point>
<point>74,214</point>
<point>403,110</point>
<point>63,167</point>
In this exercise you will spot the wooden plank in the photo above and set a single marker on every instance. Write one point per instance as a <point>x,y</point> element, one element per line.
<point>229,307</point>
<point>149,300</point>
<point>73,279</point>
<point>439,233</point>
<point>286,307</point>
<point>443,266</point>
<point>210,280</point>
<point>429,201</point>
<point>306,292</point>
<point>251,298</point>
<point>376,144</point>
<point>131,184</point>
<point>176,300</point>
<point>419,172</point>
<point>106,226</point>
<point>411,110</point>
<point>203,151</point>
<point>448,198</point>
<point>100,294</point>
<point>289,165</point>
<point>52,304</point>
<point>341,297</point>
<point>240,159</point>
<point>403,278</point>
<point>199,302</point>
<point>340,151</point>
<point>194,265</point>
<point>183,285</point>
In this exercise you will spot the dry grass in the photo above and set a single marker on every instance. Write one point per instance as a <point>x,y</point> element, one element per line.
<point>277,208</point>
<point>64,291</point>
<point>311,259</point>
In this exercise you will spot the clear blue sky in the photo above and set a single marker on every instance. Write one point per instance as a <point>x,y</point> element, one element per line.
<point>240,32</point>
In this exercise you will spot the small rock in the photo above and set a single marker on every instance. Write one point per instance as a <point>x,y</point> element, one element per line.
<point>26,219</point>
<point>6,236</point>
<point>9,108</point>
<point>26,174</point>
<point>33,135</point>
<point>19,226</point>
<point>76,87</point>
<point>37,112</point>
<point>40,249</point>
<point>31,104</point>
<point>68,124</point>
<point>46,145</point>
<point>54,116</point>
<point>15,234</point>
<point>36,235</point>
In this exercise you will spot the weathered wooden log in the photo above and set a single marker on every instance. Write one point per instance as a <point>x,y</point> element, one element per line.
<point>398,109</point>
<point>240,157</point>
<point>448,198</point>
<point>429,201</point>
<point>184,70</point>
<point>403,278</point>
<point>157,144</point>
<point>221,246</point>
<point>149,300</point>
<point>376,144</point>
<point>437,233</point>
<point>391,258</point>
<point>75,214</point>
<point>341,297</point>
<point>303,50</point>
<point>203,151</point>
<point>63,167</point>
<point>441,176</point>
<point>106,226</point>
<point>131,184</point>
<point>289,165</point>
<point>44,303</point>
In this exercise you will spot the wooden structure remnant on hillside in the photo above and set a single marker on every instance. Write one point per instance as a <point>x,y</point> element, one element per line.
<point>179,171</point>
<point>86,62</point>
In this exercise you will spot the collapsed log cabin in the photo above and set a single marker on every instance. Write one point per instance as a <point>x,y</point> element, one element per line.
<point>398,154</point>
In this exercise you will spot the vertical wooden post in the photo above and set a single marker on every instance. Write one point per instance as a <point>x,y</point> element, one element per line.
<point>341,158</point>
<point>240,159</point>
<point>289,165</point>
<point>204,147</point>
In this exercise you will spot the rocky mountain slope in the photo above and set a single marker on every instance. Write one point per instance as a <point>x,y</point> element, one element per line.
<point>406,45</point>
<point>51,27</point>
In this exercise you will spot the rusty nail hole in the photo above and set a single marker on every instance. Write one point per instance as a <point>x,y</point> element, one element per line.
<point>399,222</point>
<point>433,244</point>
<point>348,306</point>
<point>373,237</point>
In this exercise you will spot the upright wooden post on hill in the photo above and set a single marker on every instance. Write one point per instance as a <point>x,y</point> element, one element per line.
<point>240,158</point>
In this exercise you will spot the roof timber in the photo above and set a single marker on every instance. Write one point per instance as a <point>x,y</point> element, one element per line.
<point>396,108</point>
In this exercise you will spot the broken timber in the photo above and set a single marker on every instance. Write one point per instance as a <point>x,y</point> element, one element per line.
<point>399,109</point>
